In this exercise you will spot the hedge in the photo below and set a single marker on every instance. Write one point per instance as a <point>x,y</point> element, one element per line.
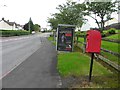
<point>7,33</point>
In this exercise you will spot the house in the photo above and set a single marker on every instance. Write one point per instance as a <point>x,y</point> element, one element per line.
<point>113,23</point>
<point>7,25</point>
<point>110,22</point>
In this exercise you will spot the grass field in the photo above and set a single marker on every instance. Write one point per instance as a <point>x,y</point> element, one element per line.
<point>81,39</point>
<point>116,31</point>
<point>111,57</point>
<point>77,64</point>
<point>115,36</point>
<point>106,45</point>
<point>110,46</point>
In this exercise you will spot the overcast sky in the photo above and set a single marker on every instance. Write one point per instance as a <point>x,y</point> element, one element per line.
<point>21,10</point>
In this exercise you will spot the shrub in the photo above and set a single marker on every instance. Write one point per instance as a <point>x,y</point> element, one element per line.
<point>103,35</point>
<point>7,33</point>
<point>111,32</point>
<point>80,34</point>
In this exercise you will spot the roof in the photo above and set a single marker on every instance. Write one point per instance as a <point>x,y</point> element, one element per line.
<point>10,23</point>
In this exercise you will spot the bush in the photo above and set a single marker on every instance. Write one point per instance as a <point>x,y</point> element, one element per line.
<point>80,34</point>
<point>7,33</point>
<point>111,31</point>
<point>103,35</point>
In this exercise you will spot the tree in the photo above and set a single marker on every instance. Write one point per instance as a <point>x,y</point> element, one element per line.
<point>31,25</point>
<point>37,28</point>
<point>101,10</point>
<point>69,13</point>
<point>53,22</point>
<point>26,27</point>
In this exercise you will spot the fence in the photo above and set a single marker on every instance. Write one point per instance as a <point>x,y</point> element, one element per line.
<point>114,65</point>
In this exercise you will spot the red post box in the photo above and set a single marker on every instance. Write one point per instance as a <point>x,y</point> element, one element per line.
<point>93,43</point>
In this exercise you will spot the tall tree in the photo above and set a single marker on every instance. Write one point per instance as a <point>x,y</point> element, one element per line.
<point>101,10</point>
<point>26,27</point>
<point>53,22</point>
<point>37,28</point>
<point>29,26</point>
<point>69,13</point>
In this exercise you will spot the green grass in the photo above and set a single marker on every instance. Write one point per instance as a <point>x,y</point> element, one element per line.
<point>106,45</point>
<point>115,36</point>
<point>110,46</point>
<point>77,64</point>
<point>81,39</point>
<point>51,39</point>
<point>111,57</point>
<point>106,31</point>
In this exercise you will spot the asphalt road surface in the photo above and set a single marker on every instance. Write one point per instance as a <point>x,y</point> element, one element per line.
<point>29,62</point>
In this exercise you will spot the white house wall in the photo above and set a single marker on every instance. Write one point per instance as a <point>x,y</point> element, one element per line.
<point>5,26</point>
<point>20,28</point>
<point>111,22</point>
<point>14,27</point>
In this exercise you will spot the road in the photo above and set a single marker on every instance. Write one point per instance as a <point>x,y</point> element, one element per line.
<point>29,62</point>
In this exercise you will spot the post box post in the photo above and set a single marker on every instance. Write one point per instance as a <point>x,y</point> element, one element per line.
<point>93,45</point>
<point>91,65</point>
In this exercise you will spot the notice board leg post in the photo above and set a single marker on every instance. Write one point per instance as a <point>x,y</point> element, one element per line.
<point>91,65</point>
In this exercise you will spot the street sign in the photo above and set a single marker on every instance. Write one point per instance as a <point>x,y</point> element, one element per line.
<point>65,34</point>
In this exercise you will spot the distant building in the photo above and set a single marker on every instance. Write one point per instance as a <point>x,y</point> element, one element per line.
<point>43,29</point>
<point>7,25</point>
<point>113,23</point>
<point>110,22</point>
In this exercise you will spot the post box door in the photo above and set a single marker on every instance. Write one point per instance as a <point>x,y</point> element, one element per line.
<point>93,41</point>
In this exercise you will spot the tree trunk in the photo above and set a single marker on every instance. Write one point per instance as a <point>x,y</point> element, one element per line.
<point>102,24</point>
<point>96,22</point>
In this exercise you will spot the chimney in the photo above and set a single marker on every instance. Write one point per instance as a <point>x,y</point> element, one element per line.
<point>3,19</point>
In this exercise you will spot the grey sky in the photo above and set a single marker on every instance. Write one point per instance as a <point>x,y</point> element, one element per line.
<point>21,10</point>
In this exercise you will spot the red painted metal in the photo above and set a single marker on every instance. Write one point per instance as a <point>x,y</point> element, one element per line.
<point>68,34</point>
<point>93,43</point>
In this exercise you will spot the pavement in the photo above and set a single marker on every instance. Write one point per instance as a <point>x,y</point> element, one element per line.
<point>37,71</point>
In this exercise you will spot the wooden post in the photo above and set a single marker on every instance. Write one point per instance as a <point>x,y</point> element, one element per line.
<point>84,45</point>
<point>77,40</point>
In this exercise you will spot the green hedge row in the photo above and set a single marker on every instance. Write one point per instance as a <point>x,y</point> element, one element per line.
<point>7,33</point>
<point>104,33</point>
<point>109,32</point>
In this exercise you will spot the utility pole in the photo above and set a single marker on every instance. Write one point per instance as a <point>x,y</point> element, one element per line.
<point>29,27</point>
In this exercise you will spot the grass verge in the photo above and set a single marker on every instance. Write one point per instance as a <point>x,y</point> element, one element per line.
<point>110,46</point>
<point>51,39</point>
<point>111,57</point>
<point>77,64</point>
